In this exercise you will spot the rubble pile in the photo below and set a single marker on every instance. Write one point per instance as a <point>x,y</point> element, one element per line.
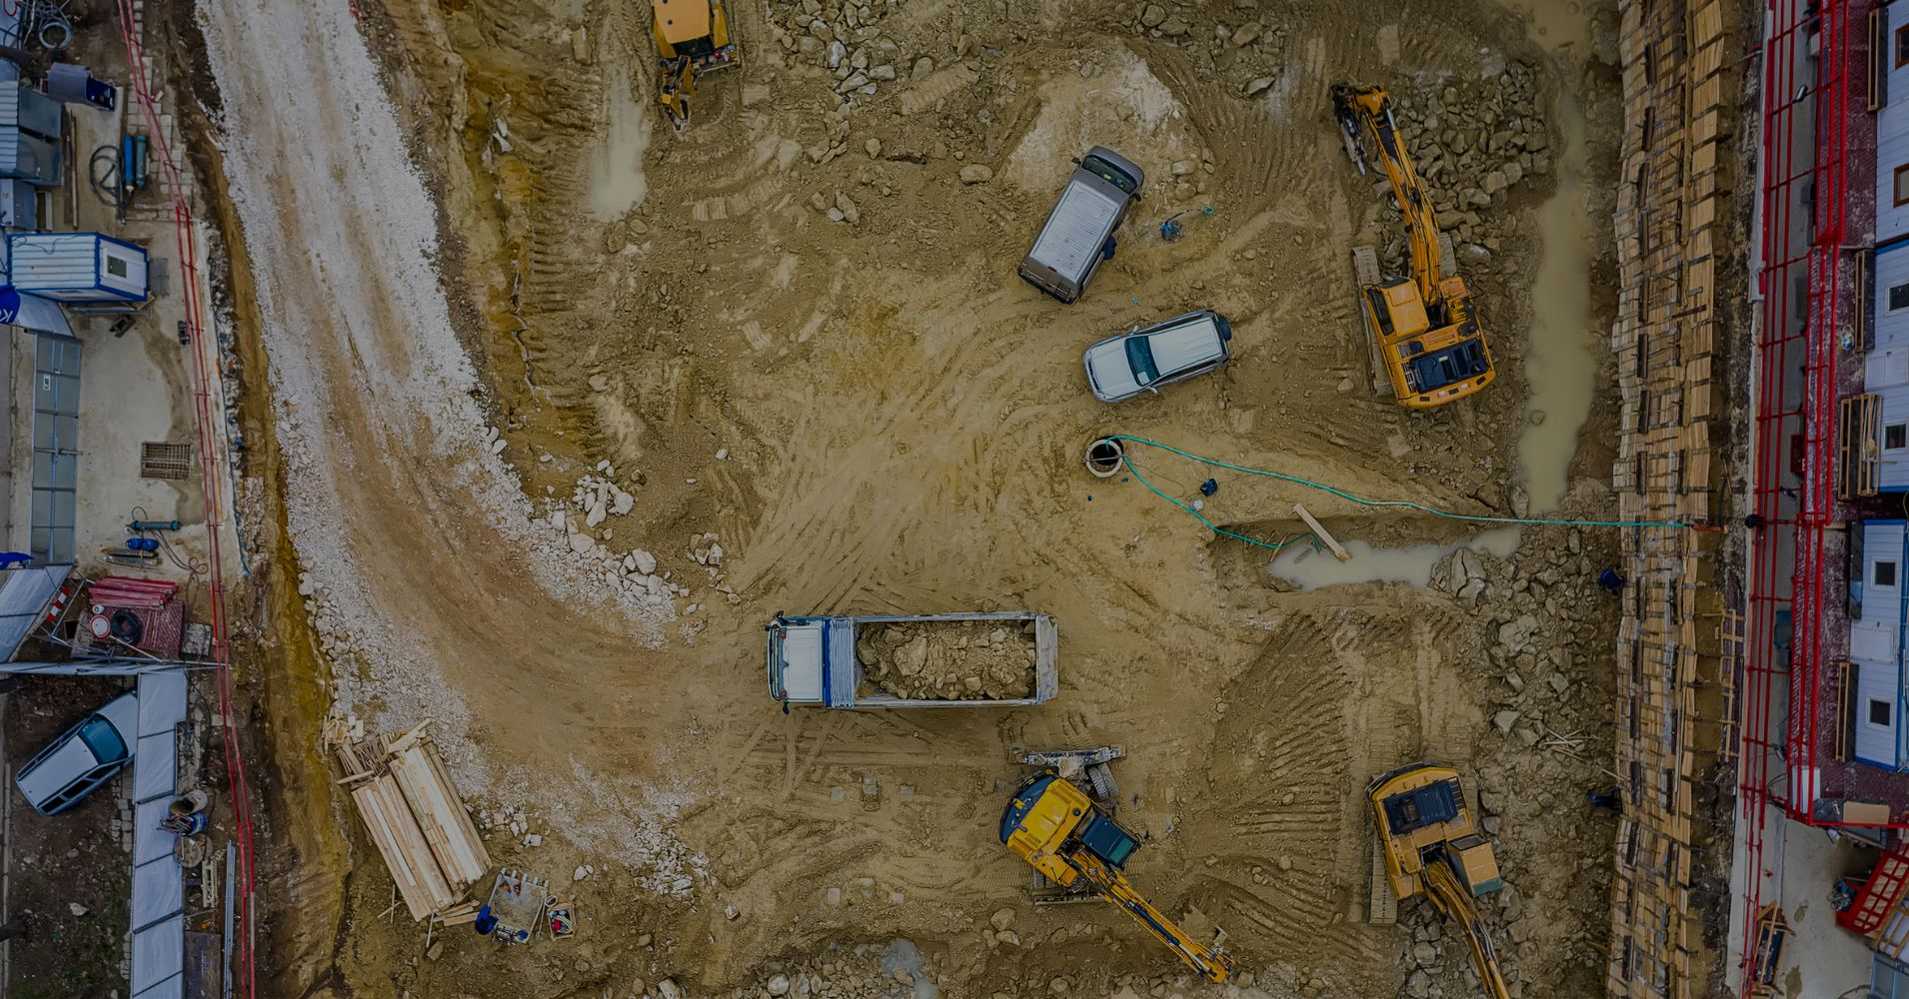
<point>989,660</point>
<point>1247,49</point>
<point>1473,142</point>
<point>846,39</point>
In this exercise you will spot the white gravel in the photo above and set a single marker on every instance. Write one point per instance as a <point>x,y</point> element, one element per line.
<point>342,238</point>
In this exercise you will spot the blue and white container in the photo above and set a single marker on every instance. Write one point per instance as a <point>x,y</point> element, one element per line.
<point>77,267</point>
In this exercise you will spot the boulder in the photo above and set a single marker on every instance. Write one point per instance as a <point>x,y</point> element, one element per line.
<point>975,173</point>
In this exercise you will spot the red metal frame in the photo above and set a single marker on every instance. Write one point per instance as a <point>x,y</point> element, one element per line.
<point>1798,522</point>
<point>211,468</point>
<point>1880,892</point>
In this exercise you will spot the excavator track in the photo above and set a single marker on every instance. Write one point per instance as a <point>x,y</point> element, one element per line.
<point>1365,274</point>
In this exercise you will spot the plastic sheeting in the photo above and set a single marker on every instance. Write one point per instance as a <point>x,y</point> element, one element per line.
<point>158,887</point>
<point>24,594</point>
<point>155,768</point>
<point>159,953</point>
<point>162,702</point>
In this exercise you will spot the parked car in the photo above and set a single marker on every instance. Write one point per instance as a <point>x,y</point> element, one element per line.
<point>1127,364</point>
<point>82,758</point>
<point>1079,231</point>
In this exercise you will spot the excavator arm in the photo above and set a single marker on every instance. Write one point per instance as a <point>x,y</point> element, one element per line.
<point>1453,902</point>
<point>1365,113</point>
<point>1114,887</point>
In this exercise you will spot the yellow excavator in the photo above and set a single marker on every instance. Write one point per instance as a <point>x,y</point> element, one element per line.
<point>1071,841</point>
<point>692,38</point>
<point>1429,845</point>
<point>1423,335</point>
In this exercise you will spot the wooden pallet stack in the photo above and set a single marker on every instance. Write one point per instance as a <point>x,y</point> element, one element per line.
<point>1674,213</point>
<point>415,818</point>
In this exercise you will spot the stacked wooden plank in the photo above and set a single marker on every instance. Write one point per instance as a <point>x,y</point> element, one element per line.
<point>1674,237</point>
<point>415,818</point>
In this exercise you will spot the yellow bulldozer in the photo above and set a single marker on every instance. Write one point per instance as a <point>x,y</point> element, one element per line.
<point>1073,843</point>
<point>692,39</point>
<point>1429,844</point>
<point>1425,342</point>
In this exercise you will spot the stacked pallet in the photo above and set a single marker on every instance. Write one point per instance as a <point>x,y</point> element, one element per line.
<point>414,816</point>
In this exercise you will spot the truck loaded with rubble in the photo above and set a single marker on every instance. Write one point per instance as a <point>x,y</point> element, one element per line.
<point>997,659</point>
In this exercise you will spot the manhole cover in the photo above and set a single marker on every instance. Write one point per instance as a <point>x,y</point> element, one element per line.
<point>165,461</point>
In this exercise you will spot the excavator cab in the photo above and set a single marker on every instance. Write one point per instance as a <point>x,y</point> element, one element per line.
<point>692,38</point>
<point>1055,826</point>
<point>1422,334</point>
<point>1429,846</point>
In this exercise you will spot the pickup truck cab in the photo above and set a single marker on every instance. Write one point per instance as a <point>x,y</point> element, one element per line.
<point>1127,364</point>
<point>82,758</point>
<point>1079,231</point>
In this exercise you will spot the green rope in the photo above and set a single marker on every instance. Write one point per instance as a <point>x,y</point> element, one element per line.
<point>1351,498</point>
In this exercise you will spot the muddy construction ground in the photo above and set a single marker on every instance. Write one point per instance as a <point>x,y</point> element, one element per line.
<point>558,408</point>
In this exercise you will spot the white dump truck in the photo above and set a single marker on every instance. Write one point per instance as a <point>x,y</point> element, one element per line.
<point>1001,659</point>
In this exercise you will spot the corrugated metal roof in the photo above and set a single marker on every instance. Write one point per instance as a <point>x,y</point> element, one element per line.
<point>29,110</point>
<point>28,157</point>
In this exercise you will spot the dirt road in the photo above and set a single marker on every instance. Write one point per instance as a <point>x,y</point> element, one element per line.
<point>866,415</point>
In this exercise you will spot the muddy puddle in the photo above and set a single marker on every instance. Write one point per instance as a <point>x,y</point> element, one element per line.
<point>1310,568</point>
<point>616,166</point>
<point>1559,368</point>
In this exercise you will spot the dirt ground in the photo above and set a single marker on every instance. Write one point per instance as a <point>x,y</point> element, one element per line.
<point>792,337</point>
<point>70,874</point>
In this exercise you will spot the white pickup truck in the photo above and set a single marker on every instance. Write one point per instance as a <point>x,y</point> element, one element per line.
<point>999,659</point>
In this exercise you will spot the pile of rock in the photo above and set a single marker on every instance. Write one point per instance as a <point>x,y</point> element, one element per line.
<point>1247,48</point>
<point>1474,141</point>
<point>949,660</point>
<point>600,498</point>
<point>844,37</point>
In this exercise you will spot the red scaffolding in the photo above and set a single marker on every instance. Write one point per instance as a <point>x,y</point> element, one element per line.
<point>1804,142</point>
<point>212,474</point>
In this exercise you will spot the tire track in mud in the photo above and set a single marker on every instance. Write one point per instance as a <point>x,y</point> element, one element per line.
<point>1331,700</point>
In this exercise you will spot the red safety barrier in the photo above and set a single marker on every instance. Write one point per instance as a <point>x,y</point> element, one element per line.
<point>211,470</point>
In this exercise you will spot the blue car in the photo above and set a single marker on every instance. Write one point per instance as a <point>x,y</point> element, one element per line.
<point>82,758</point>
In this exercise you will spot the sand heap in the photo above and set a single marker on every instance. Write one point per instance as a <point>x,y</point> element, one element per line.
<point>990,660</point>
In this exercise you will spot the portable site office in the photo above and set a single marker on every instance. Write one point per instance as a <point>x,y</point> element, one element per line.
<point>76,267</point>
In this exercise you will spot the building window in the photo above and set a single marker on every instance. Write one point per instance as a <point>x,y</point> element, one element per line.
<point>1899,297</point>
<point>1879,712</point>
<point>1885,574</point>
<point>1902,185</point>
<point>116,266</point>
<point>1895,437</point>
<point>1902,46</point>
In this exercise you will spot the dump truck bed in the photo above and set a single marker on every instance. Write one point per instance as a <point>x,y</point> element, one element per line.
<point>813,660</point>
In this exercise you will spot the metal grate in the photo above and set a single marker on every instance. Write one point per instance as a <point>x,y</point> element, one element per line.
<point>159,460</point>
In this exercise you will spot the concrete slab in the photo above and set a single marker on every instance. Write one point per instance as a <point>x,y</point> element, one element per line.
<point>136,388</point>
<point>1821,958</point>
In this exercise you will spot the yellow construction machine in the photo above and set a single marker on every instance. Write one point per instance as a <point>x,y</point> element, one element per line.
<point>1074,844</point>
<point>692,38</point>
<point>1429,844</point>
<point>1423,335</point>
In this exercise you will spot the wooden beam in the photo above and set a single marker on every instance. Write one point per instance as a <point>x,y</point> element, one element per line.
<point>1325,536</point>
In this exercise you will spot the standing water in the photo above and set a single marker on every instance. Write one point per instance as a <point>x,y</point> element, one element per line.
<point>1559,369</point>
<point>1310,568</point>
